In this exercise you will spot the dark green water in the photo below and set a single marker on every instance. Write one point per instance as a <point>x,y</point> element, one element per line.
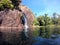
<point>46,36</point>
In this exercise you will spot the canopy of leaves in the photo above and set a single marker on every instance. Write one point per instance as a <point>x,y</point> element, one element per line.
<point>41,20</point>
<point>35,22</point>
<point>44,20</point>
<point>16,2</point>
<point>6,4</point>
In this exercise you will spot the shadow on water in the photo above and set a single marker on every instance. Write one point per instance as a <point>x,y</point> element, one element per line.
<point>2,42</point>
<point>25,40</point>
<point>21,40</point>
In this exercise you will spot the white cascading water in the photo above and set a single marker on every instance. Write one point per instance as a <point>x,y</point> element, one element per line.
<point>25,25</point>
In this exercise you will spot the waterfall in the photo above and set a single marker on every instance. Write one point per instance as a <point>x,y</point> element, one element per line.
<point>25,22</point>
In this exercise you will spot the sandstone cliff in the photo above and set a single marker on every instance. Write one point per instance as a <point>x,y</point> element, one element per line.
<point>10,23</point>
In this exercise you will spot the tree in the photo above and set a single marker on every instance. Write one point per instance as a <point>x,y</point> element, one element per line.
<point>44,20</point>
<point>35,22</point>
<point>41,20</point>
<point>16,2</point>
<point>55,19</point>
<point>59,19</point>
<point>6,4</point>
<point>47,20</point>
<point>9,4</point>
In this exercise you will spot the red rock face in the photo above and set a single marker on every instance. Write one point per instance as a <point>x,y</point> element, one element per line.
<point>11,26</point>
<point>28,13</point>
<point>10,23</point>
<point>11,18</point>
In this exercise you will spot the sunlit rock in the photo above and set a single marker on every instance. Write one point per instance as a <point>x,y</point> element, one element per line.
<point>11,23</point>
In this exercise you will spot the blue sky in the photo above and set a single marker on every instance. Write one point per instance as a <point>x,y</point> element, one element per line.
<point>40,7</point>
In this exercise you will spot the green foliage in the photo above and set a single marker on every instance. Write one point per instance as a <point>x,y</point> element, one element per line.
<point>55,19</point>
<point>47,20</point>
<point>44,20</point>
<point>41,20</point>
<point>6,4</point>
<point>16,2</point>
<point>35,22</point>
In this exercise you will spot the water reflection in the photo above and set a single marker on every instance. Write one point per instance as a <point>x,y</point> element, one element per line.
<point>47,32</point>
<point>47,36</point>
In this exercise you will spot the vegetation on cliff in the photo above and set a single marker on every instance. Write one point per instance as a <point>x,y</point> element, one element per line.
<point>6,4</point>
<point>9,4</point>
